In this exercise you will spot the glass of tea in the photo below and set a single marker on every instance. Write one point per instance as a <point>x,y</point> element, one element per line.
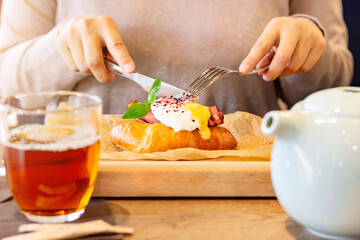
<point>51,147</point>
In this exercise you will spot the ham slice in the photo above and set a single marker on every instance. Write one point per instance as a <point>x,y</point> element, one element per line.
<point>216,118</point>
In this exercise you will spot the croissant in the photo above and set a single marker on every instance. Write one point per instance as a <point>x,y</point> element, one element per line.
<point>141,137</point>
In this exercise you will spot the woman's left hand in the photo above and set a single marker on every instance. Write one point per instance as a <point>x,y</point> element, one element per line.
<point>289,45</point>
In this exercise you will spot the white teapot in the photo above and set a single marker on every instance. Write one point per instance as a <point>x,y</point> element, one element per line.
<point>315,161</point>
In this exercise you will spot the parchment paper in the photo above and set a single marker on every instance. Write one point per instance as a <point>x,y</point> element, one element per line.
<point>252,145</point>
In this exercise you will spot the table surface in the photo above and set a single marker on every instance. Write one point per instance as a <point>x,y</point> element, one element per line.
<point>183,218</point>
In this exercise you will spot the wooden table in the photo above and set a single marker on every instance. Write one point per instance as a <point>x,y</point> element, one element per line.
<point>183,218</point>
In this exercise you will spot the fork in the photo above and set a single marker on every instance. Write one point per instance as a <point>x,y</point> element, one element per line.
<point>213,74</point>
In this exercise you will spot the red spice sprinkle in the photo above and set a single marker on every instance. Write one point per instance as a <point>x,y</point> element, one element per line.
<point>171,104</point>
<point>175,103</point>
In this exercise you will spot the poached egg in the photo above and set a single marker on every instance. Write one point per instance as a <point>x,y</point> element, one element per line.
<point>182,115</point>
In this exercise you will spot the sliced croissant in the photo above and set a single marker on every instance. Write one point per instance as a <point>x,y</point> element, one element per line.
<point>136,136</point>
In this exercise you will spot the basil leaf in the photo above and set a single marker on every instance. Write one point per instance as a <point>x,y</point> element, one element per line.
<point>153,91</point>
<point>137,110</point>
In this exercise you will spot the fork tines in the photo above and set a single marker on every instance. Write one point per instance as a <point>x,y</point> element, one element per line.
<point>207,78</point>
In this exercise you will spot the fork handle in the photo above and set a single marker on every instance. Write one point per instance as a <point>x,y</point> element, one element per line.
<point>257,70</point>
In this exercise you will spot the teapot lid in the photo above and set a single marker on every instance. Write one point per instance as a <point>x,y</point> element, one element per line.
<point>343,101</point>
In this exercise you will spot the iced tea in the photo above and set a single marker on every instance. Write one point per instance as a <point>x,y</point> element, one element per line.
<point>51,171</point>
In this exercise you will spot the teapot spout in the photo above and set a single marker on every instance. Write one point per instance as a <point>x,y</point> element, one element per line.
<point>279,123</point>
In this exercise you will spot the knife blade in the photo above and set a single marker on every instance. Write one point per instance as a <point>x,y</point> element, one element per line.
<point>145,82</point>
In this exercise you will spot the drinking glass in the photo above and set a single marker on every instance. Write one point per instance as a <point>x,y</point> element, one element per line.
<point>51,147</point>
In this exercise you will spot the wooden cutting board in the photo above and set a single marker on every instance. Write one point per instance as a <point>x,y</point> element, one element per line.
<point>223,178</point>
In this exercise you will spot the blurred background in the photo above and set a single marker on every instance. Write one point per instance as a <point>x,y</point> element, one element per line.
<point>352,19</point>
<point>351,9</point>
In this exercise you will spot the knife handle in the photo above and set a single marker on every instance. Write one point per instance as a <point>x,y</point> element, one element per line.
<point>144,81</point>
<point>113,67</point>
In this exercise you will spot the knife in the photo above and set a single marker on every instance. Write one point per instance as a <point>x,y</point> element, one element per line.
<point>145,82</point>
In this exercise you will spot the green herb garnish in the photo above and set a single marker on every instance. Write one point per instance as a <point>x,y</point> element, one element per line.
<point>138,110</point>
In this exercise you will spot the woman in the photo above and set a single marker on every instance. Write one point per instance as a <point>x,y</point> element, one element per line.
<point>53,45</point>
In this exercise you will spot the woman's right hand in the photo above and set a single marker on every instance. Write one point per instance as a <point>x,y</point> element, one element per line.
<point>81,41</point>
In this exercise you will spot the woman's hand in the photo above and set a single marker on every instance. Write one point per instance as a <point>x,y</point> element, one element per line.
<point>291,45</point>
<point>81,41</point>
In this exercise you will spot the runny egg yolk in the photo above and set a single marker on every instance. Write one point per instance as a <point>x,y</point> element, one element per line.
<point>201,114</point>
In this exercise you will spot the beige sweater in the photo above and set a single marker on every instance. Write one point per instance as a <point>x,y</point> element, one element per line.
<point>174,40</point>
